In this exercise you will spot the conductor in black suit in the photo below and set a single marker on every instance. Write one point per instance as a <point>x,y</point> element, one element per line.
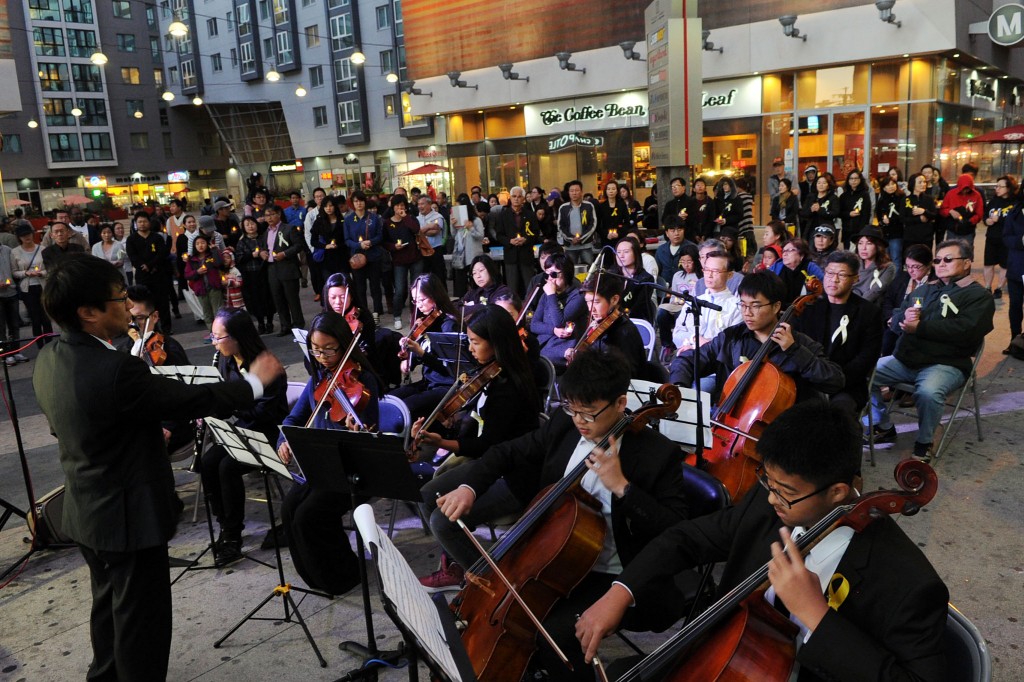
<point>105,408</point>
<point>885,615</point>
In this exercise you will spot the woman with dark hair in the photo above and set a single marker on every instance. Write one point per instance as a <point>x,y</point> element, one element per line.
<point>255,287</point>
<point>203,272</point>
<point>917,270</point>
<point>561,313</point>
<point>775,232</point>
<point>794,269</point>
<point>854,206</point>
<point>469,243</point>
<point>237,342</point>
<point>428,294</point>
<point>257,207</point>
<point>363,236</point>
<point>685,279</point>
<point>730,239</point>
<point>821,206</point>
<point>996,253</point>
<point>877,270</point>
<point>400,233</point>
<point>897,175</point>
<point>339,296</point>
<point>312,517</point>
<point>786,206</point>
<point>327,236</point>
<point>486,281</point>
<point>636,295</point>
<point>614,215</point>
<point>635,211</point>
<point>919,213</point>
<point>889,212</point>
<point>728,207</point>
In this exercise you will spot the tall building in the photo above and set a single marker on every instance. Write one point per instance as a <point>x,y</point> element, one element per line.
<point>92,123</point>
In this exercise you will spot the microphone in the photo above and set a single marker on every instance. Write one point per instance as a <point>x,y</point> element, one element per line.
<point>683,294</point>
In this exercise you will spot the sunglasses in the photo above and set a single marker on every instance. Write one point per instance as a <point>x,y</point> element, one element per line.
<point>947,259</point>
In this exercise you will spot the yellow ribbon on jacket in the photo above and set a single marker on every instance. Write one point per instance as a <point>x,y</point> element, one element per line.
<point>841,329</point>
<point>947,305</point>
<point>838,590</point>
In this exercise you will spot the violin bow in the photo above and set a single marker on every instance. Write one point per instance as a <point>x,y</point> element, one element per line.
<point>333,384</point>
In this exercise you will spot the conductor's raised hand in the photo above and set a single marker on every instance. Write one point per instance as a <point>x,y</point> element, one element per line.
<point>266,367</point>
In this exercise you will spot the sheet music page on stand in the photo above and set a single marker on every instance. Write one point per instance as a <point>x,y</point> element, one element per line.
<point>403,588</point>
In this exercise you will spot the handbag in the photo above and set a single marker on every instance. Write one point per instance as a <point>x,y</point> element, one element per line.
<point>357,261</point>
<point>426,250</point>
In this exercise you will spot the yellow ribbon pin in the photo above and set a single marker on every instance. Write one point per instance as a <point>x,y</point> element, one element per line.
<point>947,305</point>
<point>838,590</point>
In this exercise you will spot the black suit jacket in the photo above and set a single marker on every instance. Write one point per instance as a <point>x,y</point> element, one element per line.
<point>859,353</point>
<point>889,627</point>
<point>505,227</point>
<point>291,242</point>
<point>105,408</point>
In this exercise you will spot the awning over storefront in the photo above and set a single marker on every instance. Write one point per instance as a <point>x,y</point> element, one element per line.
<point>1013,134</point>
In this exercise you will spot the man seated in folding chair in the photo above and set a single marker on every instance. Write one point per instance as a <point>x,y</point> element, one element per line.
<point>943,323</point>
<point>885,614</point>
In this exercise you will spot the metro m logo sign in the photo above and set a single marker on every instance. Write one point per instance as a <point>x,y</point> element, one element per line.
<point>1006,25</point>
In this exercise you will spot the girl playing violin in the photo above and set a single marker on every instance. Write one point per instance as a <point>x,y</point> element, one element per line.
<point>312,518</point>
<point>603,295</point>
<point>339,295</point>
<point>238,343</point>
<point>428,293</point>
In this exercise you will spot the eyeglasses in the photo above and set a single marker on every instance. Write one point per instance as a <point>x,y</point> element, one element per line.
<point>584,417</point>
<point>713,271</point>
<point>119,299</point>
<point>947,259</point>
<point>323,352</point>
<point>762,478</point>
<point>916,266</point>
<point>837,275</point>
<point>753,307</point>
<point>141,319</point>
<point>791,251</point>
<point>220,339</point>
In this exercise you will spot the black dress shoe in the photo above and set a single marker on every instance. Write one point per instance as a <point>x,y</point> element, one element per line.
<point>227,553</point>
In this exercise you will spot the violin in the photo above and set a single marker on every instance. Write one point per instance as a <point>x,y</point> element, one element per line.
<point>354,323</point>
<point>742,636</point>
<point>753,396</point>
<point>550,549</point>
<point>152,349</point>
<point>419,329</point>
<point>596,331</point>
<point>457,397</point>
<point>341,391</point>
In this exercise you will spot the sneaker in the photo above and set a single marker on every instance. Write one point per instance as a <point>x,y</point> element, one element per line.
<point>884,435</point>
<point>227,549</point>
<point>449,577</point>
<point>20,358</point>
<point>998,293</point>
<point>376,319</point>
<point>10,361</point>
<point>923,452</point>
<point>398,324</point>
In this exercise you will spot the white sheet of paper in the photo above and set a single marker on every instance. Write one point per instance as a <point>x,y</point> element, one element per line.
<point>224,434</point>
<point>190,374</point>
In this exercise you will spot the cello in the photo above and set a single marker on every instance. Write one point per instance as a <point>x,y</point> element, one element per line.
<point>755,393</point>
<point>742,637</point>
<point>544,556</point>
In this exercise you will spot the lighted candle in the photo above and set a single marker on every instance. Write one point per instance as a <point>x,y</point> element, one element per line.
<point>917,303</point>
<point>570,327</point>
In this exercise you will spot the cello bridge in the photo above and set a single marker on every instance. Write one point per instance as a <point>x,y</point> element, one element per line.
<point>482,583</point>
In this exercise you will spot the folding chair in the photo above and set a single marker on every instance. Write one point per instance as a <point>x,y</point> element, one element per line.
<point>548,388</point>
<point>647,334</point>
<point>396,419</point>
<point>971,384</point>
<point>967,654</point>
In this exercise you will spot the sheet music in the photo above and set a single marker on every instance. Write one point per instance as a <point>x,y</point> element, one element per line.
<point>190,374</point>
<point>242,443</point>
<point>401,586</point>
<point>683,428</point>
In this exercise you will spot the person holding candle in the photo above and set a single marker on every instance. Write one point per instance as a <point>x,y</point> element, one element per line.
<point>203,272</point>
<point>109,248</point>
<point>30,274</point>
<point>9,318</point>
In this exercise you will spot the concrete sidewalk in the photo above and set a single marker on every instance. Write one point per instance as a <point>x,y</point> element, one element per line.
<point>973,532</point>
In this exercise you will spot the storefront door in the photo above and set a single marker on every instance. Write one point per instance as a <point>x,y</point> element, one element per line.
<point>831,140</point>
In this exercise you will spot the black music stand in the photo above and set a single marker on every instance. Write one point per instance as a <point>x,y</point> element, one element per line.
<point>426,622</point>
<point>361,465</point>
<point>450,348</point>
<point>252,448</point>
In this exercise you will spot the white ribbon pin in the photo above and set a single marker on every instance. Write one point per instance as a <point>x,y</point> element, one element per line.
<point>947,305</point>
<point>876,279</point>
<point>841,329</point>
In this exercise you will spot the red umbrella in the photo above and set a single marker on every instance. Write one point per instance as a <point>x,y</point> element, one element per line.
<point>427,170</point>
<point>1011,134</point>
<point>17,202</point>
<point>72,199</point>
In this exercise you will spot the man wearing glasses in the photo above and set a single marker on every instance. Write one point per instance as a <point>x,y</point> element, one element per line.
<point>793,353</point>
<point>637,483</point>
<point>885,612</point>
<point>943,323</point>
<point>105,407</point>
<point>848,327</point>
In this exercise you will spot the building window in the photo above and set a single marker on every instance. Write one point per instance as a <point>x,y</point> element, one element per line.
<point>130,75</point>
<point>140,141</point>
<point>209,144</point>
<point>383,21</point>
<point>344,76</point>
<point>123,9</point>
<point>57,112</point>
<point>64,147</point>
<point>87,77</point>
<point>242,12</point>
<point>341,32</point>
<point>44,10</point>
<point>158,78</point>
<point>316,77</point>
<point>49,42</point>
<point>387,62</point>
<point>125,42</point>
<point>312,36</point>
<point>135,106</point>
<point>268,48</point>
<point>78,11</point>
<point>284,48</point>
<point>184,45</point>
<point>334,4</point>
<point>168,145</point>
<point>151,22</point>
<point>234,58</point>
<point>229,20</point>
<point>248,61</point>
<point>94,112</point>
<point>164,117</point>
<point>81,43</point>
<point>53,77</point>
<point>215,62</point>
<point>97,146</point>
<point>264,9</point>
<point>399,24</point>
<point>211,27</point>
<point>188,74</point>
<point>319,117</point>
<point>172,75</point>
<point>390,106</point>
<point>348,118</point>
<point>308,3</point>
<point>280,12</point>
<point>154,48</point>
<point>11,144</point>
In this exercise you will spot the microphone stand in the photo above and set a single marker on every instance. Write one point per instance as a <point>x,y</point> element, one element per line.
<point>696,304</point>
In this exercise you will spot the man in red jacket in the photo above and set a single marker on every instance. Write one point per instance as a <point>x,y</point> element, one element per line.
<point>961,210</point>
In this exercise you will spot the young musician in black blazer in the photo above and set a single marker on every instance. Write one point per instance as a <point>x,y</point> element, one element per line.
<point>105,408</point>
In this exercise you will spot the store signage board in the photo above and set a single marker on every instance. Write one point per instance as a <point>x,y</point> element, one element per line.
<point>674,67</point>
<point>617,110</point>
<point>734,98</point>
<point>1006,25</point>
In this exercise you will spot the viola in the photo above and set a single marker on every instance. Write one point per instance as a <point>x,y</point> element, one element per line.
<point>755,394</point>
<point>457,397</point>
<point>596,331</point>
<point>154,349</point>
<point>550,550</point>
<point>741,636</point>
<point>341,391</point>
